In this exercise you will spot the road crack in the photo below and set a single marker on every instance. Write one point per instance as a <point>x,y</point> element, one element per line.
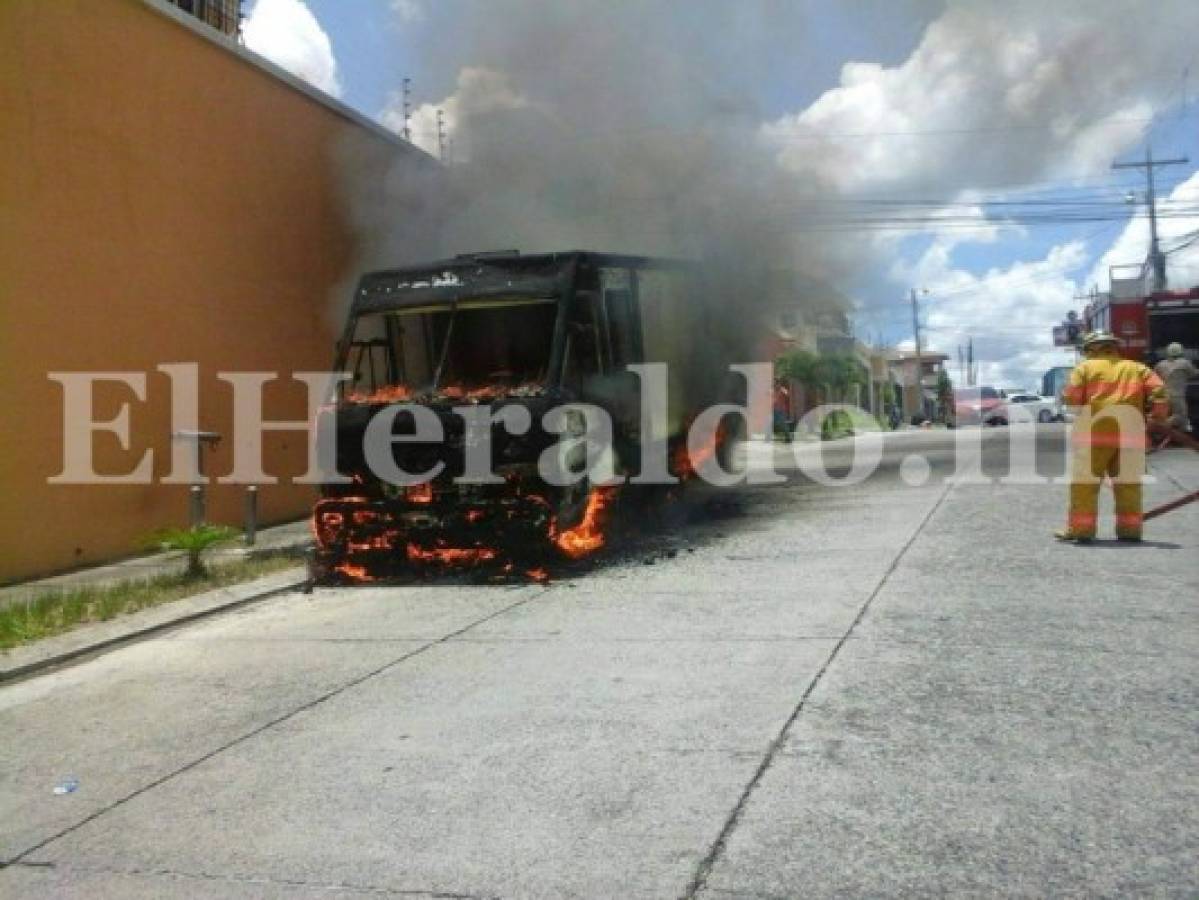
<point>704,870</point>
<point>278,720</point>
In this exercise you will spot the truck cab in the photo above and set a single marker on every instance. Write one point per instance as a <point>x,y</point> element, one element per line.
<point>498,330</point>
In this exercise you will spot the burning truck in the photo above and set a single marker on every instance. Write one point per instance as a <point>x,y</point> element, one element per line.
<point>519,335</point>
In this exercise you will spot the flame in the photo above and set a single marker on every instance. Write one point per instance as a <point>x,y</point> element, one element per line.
<point>325,523</point>
<point>391,393</point>
<point>451,556</point>
<point>402,393</point>
<point>353,572</point>
<point>485,392</point>
<point>420,493</point>
<point>588,535</point>
<point>686,464</point>
<point>539,575</point>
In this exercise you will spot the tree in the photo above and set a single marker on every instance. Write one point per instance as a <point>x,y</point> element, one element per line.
<point>798,366</point>
<point>945,395</point>
<point>839,372</point>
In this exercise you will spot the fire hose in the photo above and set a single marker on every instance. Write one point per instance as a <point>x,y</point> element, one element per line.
<point>1185,440</point>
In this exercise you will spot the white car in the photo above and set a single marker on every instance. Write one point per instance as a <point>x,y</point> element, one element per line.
<point>1028,407</point>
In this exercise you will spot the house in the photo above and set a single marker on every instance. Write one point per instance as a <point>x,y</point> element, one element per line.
<point>918,379</point>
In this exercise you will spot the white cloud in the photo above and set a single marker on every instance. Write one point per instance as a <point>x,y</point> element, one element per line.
<point>408,11</point>
<point>289,35</point>
<point>478,91</point>
<point>994,98</point>
<point>1178,220</point>
<point>994,95</point>
<point>1008,311</point>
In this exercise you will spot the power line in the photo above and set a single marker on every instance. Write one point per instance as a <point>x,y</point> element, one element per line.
<point>939,132</point>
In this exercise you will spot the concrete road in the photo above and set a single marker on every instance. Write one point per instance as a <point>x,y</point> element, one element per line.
<point>799,690</point>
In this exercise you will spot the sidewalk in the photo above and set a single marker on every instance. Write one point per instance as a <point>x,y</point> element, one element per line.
<point>292,537</point>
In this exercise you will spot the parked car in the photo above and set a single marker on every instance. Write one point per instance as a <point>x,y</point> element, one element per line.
<point>1024,406</point>
<point>979,406</point>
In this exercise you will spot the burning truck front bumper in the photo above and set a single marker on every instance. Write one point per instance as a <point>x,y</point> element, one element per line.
<point>359,537</point>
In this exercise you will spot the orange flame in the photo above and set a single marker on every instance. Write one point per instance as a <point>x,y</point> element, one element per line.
<point>451,556</point>
<point>686,464</point>
<point>420,493</point>
<point>392,393</point>
<point>353,572</point>
<point>588,535</point>
<point>402,393</point>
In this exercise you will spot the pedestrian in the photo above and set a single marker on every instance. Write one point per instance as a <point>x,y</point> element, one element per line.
<point>782,410</point>
<point>1176,370</point>
<point>1112,394</point>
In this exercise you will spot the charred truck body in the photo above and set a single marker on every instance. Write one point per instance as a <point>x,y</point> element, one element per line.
<point>504,330</point>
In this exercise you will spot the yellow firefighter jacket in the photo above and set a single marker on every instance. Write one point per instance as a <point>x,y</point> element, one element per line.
<point>1108,382</point>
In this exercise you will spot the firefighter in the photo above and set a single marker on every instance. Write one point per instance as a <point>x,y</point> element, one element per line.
<point>1109,436</point>
<point>1176,370</point>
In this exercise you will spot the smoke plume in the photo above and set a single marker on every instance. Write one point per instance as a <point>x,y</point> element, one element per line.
<point>654,128</point>
<point>617,127</point>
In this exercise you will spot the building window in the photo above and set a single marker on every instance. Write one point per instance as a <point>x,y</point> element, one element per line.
<point>223,15</point>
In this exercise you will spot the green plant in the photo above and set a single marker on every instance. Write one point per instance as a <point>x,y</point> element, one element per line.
<point>195,541</point>
<point>56,611</point>
<point>836,423</point>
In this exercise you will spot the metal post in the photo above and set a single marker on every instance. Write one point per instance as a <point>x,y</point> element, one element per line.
<point>251,515</point>
<point>919,355</point>
<point>196,500</point>
<point>197,513</point>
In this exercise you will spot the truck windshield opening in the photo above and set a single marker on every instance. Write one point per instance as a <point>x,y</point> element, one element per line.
<point>466,350</point>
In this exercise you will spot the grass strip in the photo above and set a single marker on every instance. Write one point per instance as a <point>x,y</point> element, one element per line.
<point>58,611</point>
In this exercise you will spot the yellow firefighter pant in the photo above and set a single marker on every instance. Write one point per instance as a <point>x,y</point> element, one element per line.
<point>1098,462</point>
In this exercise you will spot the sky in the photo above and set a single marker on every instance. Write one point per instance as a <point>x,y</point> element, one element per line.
<point>959,148</point>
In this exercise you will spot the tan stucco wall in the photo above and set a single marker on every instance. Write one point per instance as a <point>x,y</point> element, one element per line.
<point>161,200</point>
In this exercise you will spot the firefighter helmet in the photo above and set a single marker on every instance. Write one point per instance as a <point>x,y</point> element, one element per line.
<point>1174,350</point>
<point>1098,338</point>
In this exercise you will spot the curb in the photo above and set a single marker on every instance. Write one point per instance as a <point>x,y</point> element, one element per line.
<point>98,638</point>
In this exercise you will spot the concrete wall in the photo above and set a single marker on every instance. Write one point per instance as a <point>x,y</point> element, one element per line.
<point>162,199</point>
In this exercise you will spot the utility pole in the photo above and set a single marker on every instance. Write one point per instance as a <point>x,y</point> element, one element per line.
<point>1157,259</point>
<point>919,355</point>
<point>406,89</point>
<point>441,135</point>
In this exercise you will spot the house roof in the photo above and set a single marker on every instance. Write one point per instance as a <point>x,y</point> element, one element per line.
<point>925,356</point>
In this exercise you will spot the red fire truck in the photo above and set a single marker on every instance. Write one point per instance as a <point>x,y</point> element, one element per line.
<point>1147,322</point>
